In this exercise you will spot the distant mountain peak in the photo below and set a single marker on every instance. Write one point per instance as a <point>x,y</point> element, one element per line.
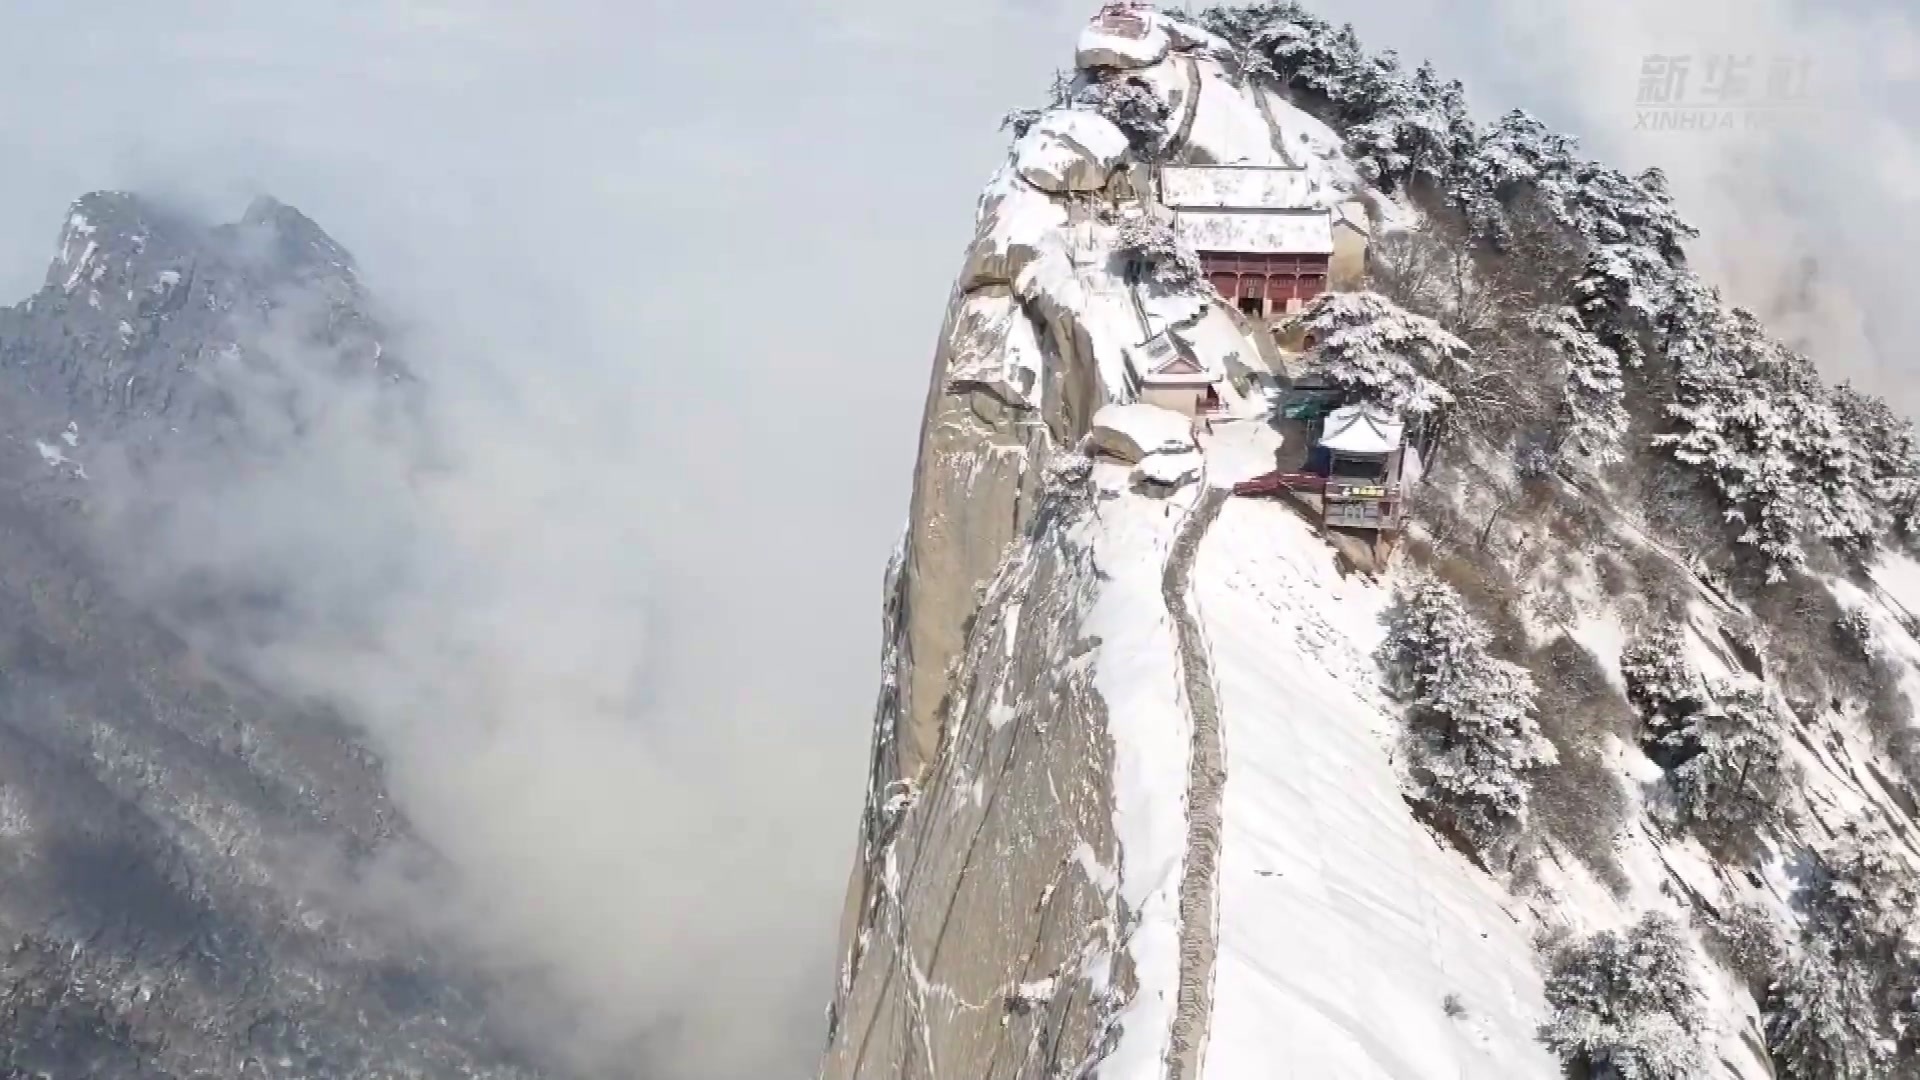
<point>142,302</point>
<point>297,241</point>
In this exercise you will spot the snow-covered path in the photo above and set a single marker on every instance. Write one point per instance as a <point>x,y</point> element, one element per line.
<point>1183,134</point>
<point>1351,945</point>
<point>1206,780</point>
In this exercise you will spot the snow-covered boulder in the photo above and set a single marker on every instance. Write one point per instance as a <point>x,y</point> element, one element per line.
<point>1135,432</point>
<point>1169,472</point>
<point>1103,47</point>
<point>1070,150</point>
<point>1186,36</point>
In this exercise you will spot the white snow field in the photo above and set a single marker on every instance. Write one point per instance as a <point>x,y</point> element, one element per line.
<point>1345,928</point>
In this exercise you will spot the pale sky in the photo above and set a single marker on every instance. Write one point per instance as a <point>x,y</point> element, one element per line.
<point>681,267</point>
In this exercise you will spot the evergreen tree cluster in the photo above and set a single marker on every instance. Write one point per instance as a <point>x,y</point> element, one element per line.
<point>1820,1021</point>
<point>1472,733</point>
<point>1734,778</point>
<point>1791,460</point>
<point>1846,1002</point>
<point>1627,1004</point>
<point>1722,743</point>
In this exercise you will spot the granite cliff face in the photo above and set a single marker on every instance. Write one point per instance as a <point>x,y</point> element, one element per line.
<point>183,849</point>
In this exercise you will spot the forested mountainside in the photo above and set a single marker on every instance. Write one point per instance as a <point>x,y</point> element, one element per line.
<point>186,853</point>
<point>1604,763</point>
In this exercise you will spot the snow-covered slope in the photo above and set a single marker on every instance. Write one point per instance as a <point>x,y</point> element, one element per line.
<point>1344,927</point>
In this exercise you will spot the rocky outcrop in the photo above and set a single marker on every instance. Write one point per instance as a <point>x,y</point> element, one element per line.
<point>144,314</point>
<point>1163,473</point>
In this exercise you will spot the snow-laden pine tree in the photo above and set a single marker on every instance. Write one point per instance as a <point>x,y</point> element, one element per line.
<point>1661,684</point>
<point>1890,452</point>
<point>1790,458</point>
<point>1732,427</point>
<point>1291,45</point>
<point>1627,1004</point>
<point>1382,354</point>
<point>1133,107</point>
<point>1610,208</point>
<point>1409,129</point>
<point>1734,777</point>
<point>1516,154</point>
<point>1155,245</point>
<point>1849,1002</point>
<point>1820,1022</point>
<point>1865,897</point>
<point>1620,293</point>
<point>1472,733</point>
<point>1746,939</point>
<point>1593,413</point>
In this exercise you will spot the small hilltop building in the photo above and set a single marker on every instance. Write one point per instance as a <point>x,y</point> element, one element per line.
<point>1353,468</point>
<point>1172,377</point>
<point>1365,450</point>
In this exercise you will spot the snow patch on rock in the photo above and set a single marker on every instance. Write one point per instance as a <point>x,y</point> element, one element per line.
<point>994,347</point>
<point>1187,37</point>
<point>1014,221</point>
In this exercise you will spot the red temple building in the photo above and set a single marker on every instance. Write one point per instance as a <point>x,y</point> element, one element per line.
<point>1262,242</point>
